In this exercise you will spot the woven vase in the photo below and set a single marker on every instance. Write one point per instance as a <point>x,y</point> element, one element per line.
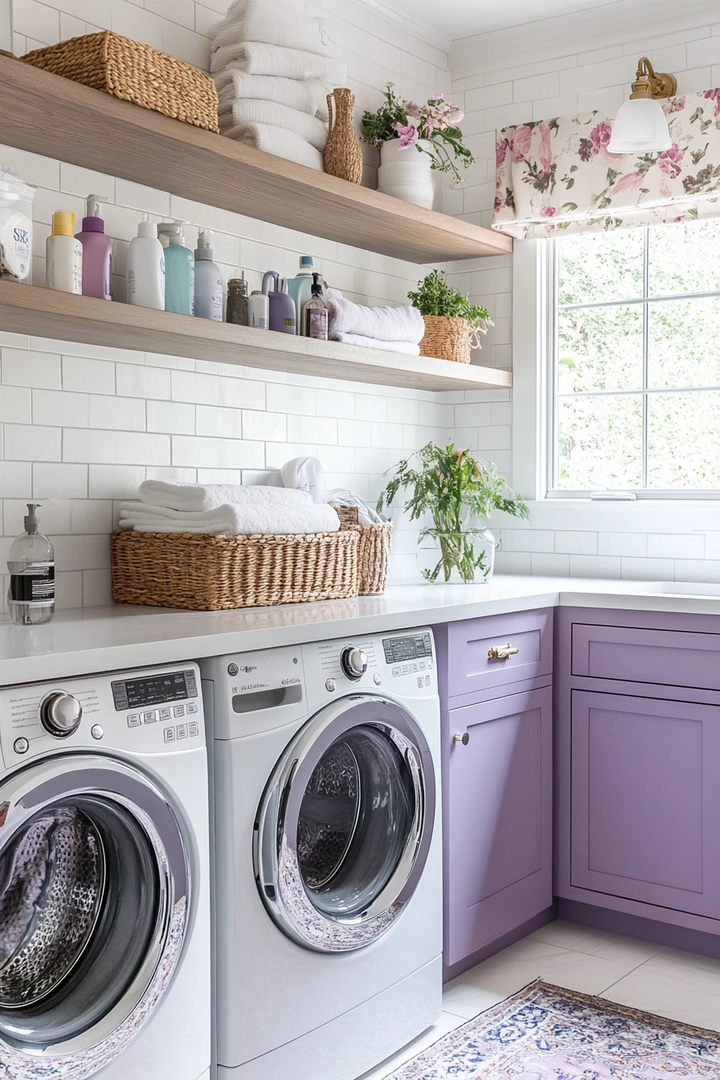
<point>447,337</point>
<point>343,155</point>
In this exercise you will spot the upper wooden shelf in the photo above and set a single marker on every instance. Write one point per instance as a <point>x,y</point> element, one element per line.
<point>49,115</point>
<point>26,309</point>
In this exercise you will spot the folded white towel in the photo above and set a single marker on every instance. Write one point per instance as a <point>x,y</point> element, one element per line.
<point>257,58</point>
<point>198,497</point>
<point>306,95</point>
<point>276,23</point>
<point>252,111</point>
<point>407,347</point>
<point>382,323</point>
<point>305,474</point>
<point>231,519</point>
<point>278,141</point>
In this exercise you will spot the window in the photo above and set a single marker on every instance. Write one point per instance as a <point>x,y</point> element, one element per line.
<point>634,379</point>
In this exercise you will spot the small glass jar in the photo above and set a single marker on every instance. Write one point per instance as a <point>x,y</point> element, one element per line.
<point>237,302</point>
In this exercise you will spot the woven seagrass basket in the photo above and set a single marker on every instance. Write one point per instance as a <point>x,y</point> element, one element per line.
<point>134,72</point>
<point>205,572</point>
<point>373,551</point>
<point>446,336</point>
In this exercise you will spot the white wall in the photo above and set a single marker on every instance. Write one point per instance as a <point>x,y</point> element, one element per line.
<point>561,66</point>
<point>81,427</point>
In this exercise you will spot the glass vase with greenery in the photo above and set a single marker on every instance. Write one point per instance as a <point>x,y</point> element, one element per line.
<point>459,492</point>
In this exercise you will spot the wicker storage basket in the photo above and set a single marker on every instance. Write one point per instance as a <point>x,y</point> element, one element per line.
<point>210,573</point>
<point>447,337</point>
<point>373,551</point>
<point>133,72</point>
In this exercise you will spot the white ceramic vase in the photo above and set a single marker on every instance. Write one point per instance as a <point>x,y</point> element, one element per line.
<point>405,173</point>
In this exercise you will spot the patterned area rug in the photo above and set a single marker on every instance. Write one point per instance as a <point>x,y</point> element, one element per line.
<point>547,1033</point>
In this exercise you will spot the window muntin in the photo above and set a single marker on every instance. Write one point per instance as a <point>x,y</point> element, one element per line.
<point>635,374</point>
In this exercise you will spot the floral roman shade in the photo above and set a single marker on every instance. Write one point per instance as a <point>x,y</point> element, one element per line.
<point>557,175</point>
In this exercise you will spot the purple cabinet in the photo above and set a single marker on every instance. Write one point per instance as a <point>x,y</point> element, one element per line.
<point>497,783</point>
<point>498,820</point>
<point>645,800</point>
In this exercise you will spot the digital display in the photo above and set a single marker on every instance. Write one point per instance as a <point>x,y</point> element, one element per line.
<point>408,647</point>
<point>154,690</point>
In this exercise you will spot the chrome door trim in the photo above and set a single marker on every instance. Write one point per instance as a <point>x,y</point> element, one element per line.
<point>42,784</point>
<point>275,835</point>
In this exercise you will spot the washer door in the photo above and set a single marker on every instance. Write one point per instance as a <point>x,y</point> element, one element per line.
<point>345,823</point>
<point>94,894</point>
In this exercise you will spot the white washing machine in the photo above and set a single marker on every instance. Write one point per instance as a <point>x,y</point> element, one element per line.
<point>104,878</point>
<point>328,878</point>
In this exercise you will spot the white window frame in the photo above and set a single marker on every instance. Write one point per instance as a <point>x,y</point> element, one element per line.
<point>533,325</point>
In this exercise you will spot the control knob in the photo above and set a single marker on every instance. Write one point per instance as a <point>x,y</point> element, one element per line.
<point>354,662</point>
<point>60,714</point>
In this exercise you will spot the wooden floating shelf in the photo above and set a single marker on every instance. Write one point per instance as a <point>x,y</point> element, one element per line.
<point>26,309</point>
<point>58,118</point>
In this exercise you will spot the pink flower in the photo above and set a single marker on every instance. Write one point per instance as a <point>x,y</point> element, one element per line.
<point>412,109</point>
<point>437,96</point>
<point>675,105</point>
<point>408,136</point>
<point>629,182</point>
<point>548,211</point>
<point>670,161</point>
<point>501,150</point>
<point>520,142</point>
<point>600,136</point>
<point>545,153</point>
<point>714,95</point>
<point>431,123</point>
<point>455,116</point>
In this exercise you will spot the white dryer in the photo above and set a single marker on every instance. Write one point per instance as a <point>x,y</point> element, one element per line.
<point>328,879</point>
<point>104,878</point>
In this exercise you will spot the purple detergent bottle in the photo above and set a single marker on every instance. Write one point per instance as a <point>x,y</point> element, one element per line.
<point>97,253</point>
<point>283,317</point>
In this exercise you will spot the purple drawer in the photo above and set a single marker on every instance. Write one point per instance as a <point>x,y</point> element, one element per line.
<point>662,657</point>
<point>472,670</point>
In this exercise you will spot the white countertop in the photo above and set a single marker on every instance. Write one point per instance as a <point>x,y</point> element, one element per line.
<point>85,640</point>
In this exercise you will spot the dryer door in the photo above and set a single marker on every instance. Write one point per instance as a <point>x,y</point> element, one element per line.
<point>94,894</point>
<point>345,823</point>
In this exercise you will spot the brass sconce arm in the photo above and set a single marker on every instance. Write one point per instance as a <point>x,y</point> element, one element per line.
<point>651,84</point>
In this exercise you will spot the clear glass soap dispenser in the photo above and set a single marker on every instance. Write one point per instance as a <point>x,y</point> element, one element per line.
<point>31,562</point>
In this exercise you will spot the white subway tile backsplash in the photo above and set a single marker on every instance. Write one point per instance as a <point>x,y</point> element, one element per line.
<point>676,547</point>
<point>209,453</point>
<point>134,380</point>
<point>219,422</point>
<point>175,418</point>
<point>22,367</point>
<point>576,543</point>
<point>30,442</point>
<point>117,413</point>
<point>16,479</point>
<point>59,481</point>
<point>88,375</point>
<point>595,566</point>
<point>111,447</point>
<point>114,481</point>
<point>16,405</point>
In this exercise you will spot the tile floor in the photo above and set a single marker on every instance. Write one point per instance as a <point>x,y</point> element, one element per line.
<point>679,985</point>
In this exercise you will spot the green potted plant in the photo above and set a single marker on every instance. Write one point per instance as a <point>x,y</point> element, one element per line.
<point>459,493</point>
<point>414,139</point>
<point>452,324</point>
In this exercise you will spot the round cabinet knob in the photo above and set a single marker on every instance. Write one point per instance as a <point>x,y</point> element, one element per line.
<point>354,662</point>
<point>463,739</point>
<point>60,714</point>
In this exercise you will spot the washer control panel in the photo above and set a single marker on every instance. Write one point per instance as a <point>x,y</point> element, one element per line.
<point>143,711</point>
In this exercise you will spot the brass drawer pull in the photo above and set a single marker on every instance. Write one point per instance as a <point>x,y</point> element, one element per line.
<point>502,652</point>
<point>464,738</point>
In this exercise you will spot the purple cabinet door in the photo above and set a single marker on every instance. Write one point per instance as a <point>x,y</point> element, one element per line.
<point>470,670</point>
<point>646,800</point>
<point>498,819</point>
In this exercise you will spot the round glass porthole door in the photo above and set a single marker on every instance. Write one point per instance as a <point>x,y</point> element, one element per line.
<point>94,892</point>
<point>345,824</point>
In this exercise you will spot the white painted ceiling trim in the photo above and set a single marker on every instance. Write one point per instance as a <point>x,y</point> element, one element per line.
<point>563,35</point>
<point>409,23</point>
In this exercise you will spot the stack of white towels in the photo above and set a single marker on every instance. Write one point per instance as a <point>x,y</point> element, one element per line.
<point>273,67</point>
<point>395,329</point>
<point>226,509</point>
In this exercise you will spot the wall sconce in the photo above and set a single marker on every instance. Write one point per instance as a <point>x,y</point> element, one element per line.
<point>640,126</point>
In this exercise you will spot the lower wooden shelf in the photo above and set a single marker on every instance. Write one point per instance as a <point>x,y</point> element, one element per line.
<point>27,309</point>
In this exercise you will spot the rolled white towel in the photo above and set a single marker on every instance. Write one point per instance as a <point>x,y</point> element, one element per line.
<point>257,58</point>
<point>407,347</point>
<point>231,519</point>
<point>251,111</point>
<point>306,95</point>
<point>276,23</point>
<point>305,474</point>
<point>195,498</point>
<point>382,323</point>
<point>278,141</point>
